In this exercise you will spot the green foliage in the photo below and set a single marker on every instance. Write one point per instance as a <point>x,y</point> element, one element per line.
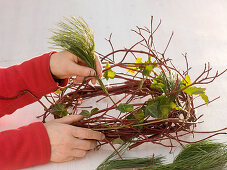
<point>60,110</point>
<point>58,91</point>
<point>94,110</point>
<point>166,84</point>
<point>124,107</point>
<point>204,155</point>
<point>120,150</point>
<point>109,73</point>
<point>138,115</point>
<point>87,114</point>
<point>131,163</point>
<point>192,90</point>
<point>152,109</point>
<point>138,60</point>
<point>159,107</point>
<point>117,141</point>
<point>148,68</point>
<point>76,36</point>
<point>199,156</point>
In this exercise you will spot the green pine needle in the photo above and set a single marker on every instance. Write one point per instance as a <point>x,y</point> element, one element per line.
<point>75,36</point>
<point>131,163</point>
<point>204,155</point>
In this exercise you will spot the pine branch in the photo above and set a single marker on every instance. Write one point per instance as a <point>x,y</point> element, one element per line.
<point>75,36</point>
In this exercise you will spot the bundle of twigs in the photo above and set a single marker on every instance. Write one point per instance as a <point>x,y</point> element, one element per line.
<point>154,101</point>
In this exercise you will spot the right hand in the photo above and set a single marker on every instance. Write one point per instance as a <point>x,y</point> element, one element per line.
<point>64,65</point>
<point>69,142</point>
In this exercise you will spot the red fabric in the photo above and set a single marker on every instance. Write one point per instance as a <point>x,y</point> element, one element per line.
<point>28,145</point>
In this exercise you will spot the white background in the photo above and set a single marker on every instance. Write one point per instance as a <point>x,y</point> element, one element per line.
<point>200,29</point>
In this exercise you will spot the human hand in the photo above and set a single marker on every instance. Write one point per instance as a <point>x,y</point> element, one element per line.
<point>69,142</point>
<point>64,65</point>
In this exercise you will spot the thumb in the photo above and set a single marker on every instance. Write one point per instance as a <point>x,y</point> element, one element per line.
<point>69,119</point>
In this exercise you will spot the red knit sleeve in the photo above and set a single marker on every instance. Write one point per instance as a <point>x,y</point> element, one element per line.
<point>24,147</point>
<point>28,145</point>
<point>33,76</point>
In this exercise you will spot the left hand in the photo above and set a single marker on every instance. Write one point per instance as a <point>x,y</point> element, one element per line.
<point>64,65</point>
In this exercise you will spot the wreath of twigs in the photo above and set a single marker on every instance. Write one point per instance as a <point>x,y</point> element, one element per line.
<point>156,78</point>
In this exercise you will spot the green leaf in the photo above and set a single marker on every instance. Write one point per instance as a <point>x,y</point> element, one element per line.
<point>94,110</point>
<point>147,70</point>
<point>109,73</point>
<point>60,110</point>
<point>160,107</point>
<point>131,116</point>
<point>85,113</point>
<point>204,97</point>
<point>124,107</point>
<point>152,109</point>
<point>187,80</point>
<point>139,60</point>
<point>140,114</point>
<point>132,71</point>
<point>117,141</point>
<point>194,90</point>
<point>58,91</point>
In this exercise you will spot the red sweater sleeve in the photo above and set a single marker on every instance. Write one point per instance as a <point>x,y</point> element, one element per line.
<point>28,145</point>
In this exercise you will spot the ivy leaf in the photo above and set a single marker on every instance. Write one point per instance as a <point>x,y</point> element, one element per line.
<point>109,73</point>
<point>160,107</point>
<point>132,71</point>
<point>58,91</point>
<point>139,60</point>
<point>194,90</point>
<point>131,116</point>
<point>85,113</point>
<point>188,80</point>
<point>152,109</point>
<point>139,115</point>
<point>204,97</point>
<point>94,110</point>
<point>124,107</point>
<point>147,70</point>
<point>60,110</point>
<point>117,141</point>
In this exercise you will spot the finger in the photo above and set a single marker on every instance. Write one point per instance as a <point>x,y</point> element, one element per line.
<point>70,158</point>
<point>78,70</point>
<point>93,81</point>
<point>79,153</point>
<point>84,144</point>
<point>69,119</point>
<point>78,79</point>
<point>98,65</point>
<point>85,133</point>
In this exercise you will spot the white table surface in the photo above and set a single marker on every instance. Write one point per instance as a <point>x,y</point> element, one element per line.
<point>200,29</point>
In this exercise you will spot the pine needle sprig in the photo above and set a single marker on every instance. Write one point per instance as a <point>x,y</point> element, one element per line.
<point>75,36</point>
<point>202,155</point>
<point>132,163</point>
